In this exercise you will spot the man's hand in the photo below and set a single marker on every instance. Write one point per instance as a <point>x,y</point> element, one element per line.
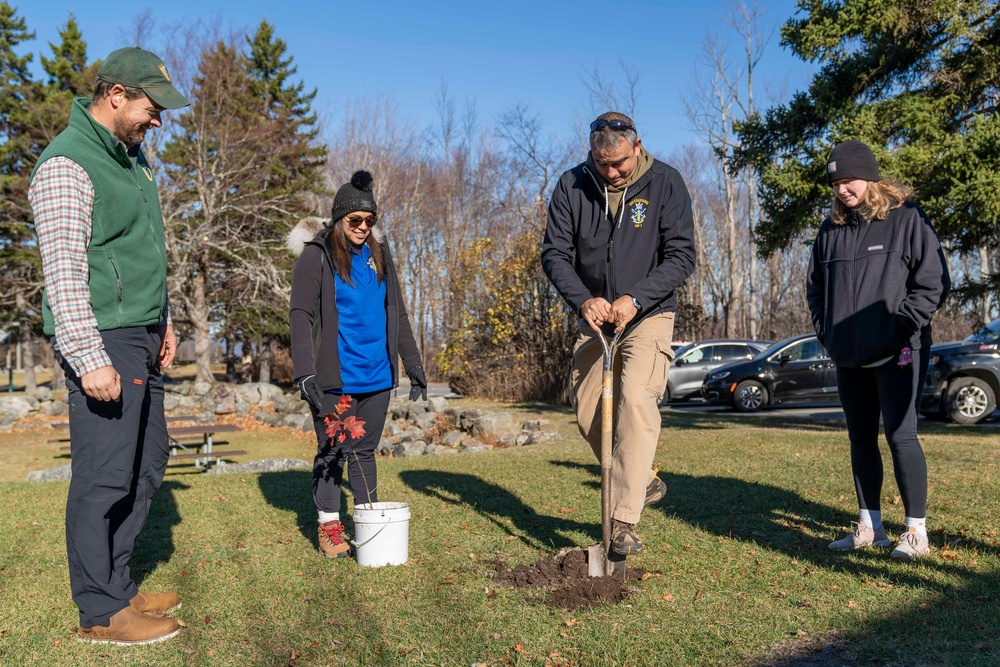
<point>418,383</point>
<point>623,311</point>
<point>168,345</point>
<point>104,384</point>
<point>597,311</point>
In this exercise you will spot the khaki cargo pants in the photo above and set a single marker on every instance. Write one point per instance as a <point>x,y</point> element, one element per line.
<point>641,360</point>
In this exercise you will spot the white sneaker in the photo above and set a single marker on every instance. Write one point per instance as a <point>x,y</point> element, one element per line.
<point>862,537</point>
<point>911,545</point>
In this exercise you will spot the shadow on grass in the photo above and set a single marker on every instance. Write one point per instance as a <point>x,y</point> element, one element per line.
<point>156,543</point>
<point>292,491</point>
<point>960,619</point>
<point>498,505</point>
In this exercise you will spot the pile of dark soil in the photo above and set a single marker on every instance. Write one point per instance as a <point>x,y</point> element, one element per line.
<point>565,575</point>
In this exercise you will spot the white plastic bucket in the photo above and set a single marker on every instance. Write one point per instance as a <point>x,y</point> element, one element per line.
<point>381,534</point>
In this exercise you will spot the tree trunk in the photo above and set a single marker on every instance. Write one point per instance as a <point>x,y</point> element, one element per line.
<point>199,323</point>
<point>984,272</point>
<point>28,356</point>
<point>265,361</point>
<point>58,377</point>
<point>230,356</point>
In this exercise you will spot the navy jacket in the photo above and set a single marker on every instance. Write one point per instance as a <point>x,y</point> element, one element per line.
<point>647,251</point>
<point>873,286</point>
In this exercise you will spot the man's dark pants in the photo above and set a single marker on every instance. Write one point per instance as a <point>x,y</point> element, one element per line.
<point>119,452</point>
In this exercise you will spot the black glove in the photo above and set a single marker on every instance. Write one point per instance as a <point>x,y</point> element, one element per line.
<point>311,392</point>
<point>418,383</point>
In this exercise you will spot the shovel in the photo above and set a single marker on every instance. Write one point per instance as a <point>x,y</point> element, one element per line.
<point>601,560</point>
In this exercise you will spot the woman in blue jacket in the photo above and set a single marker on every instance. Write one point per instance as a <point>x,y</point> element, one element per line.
<point>348,328</point>
<point>876,276</point>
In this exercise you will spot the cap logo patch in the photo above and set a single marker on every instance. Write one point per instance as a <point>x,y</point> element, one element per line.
<point>832,167</point>
<point>163,71</point>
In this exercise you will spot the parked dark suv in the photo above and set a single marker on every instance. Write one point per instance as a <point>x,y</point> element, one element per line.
<point>796,370</point>
<point>963,379</point>
<point>694,361</point>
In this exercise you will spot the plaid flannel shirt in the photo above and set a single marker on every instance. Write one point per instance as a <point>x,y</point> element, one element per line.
<point>62,198</point>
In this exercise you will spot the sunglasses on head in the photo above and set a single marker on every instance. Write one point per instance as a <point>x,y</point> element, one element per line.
<point>614,124</point>
<point>357,221</point>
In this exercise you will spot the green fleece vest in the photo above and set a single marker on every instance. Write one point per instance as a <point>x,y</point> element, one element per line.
<point>127,255</point>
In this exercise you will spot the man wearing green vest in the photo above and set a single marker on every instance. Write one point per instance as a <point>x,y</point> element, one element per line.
<point>100,235</point>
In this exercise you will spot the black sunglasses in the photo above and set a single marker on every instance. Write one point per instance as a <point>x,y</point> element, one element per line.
<point>614,124</point>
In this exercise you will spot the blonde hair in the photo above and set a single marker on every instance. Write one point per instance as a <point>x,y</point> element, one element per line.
<point>880,197</point>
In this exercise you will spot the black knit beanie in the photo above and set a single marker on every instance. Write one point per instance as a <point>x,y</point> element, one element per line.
<point>354,196</point>
<point>851,159</point>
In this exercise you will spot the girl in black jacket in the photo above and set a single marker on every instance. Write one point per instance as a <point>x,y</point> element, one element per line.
<point>876,276</point>
<point>348,327</point>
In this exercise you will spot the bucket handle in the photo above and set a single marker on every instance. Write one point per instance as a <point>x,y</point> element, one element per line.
<point>361,544</point>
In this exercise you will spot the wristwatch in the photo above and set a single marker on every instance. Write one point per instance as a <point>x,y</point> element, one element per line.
<point>635,302</point>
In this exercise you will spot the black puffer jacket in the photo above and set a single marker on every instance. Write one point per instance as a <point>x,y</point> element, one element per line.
<point>647,252</point>
<point>314,319</point>
<point>873,286</point>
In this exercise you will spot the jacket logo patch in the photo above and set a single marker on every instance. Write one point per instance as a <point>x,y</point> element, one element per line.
<point>876,247</point>
<point>638,214</point>
<point>149,173</point>
<point>371,263</point>
<point>832,167</point>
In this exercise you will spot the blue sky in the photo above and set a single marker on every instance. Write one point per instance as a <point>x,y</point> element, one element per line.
<point>499,54</point>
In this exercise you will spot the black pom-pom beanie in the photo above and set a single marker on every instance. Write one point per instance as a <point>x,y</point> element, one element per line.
<point>851,159</point>
<point>354,196</point>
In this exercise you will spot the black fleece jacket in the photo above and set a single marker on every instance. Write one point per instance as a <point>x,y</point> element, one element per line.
<point>314,319</point>
<point>646,252</point>
<point>873,286</point>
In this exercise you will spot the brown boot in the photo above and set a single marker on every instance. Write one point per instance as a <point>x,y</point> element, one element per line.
<point>155,602</point>
<point>331,540</point>
<point>130,628</point>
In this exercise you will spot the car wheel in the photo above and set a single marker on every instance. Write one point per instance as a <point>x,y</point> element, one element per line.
<point>970,400</point>
<point>750,396</point>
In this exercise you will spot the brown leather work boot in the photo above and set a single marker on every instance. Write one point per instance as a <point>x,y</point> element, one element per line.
<point>131,628</point>
<point>331,540</point>
<point>162,603</point>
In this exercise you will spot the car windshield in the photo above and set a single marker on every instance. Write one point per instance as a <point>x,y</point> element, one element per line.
<point>767,352</point>
<point>989,334</point>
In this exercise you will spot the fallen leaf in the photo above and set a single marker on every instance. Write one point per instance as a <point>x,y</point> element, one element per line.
<point>496,635</point>
<point>801,633</point>
<point>314,645</point>
<point>896,500</point>
<point>668,597</point>
<point>697,594</point>
<point>208,619</point>
<point>211,653</point>
<point>570,622</point>
<point>851,604</point>
<point>565,510</point>
<point>948,554</point>
<point>924,605</point>
<point>446,582</point>
<point>804,603</point>
<point>519,647</point>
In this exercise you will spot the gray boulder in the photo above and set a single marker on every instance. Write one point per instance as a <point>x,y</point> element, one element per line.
<point>263,465</point>
<point>201,388</point>
<point>56,408</point>
<point>452,438</point>
<point>58,474</point>
<point>170,401</point>
<point>493,423</point>
<point>467,419</point>
<point>266,418</point>
<point>479,447</point>
<point>43,394</point>
<point>437,404</point>
<point>413,448</point>
<point>425,420</point>
<point>13,408</point>
<point>226,405</point>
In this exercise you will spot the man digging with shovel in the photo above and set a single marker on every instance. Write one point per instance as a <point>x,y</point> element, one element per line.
<point>618,243</point>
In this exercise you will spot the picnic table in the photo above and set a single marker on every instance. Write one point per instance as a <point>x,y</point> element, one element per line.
<point>196,442</point>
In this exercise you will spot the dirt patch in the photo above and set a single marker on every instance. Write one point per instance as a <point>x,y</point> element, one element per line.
<point>565,576</point>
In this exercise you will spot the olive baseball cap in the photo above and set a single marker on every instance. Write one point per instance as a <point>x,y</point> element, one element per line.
<point>138,68</point>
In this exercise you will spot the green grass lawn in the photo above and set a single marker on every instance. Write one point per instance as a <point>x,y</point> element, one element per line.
<point>739,545</point>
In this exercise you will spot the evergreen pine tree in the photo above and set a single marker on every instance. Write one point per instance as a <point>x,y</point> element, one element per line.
<point>915,80</point>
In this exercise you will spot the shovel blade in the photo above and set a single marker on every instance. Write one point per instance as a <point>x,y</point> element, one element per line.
<point>602,564</point>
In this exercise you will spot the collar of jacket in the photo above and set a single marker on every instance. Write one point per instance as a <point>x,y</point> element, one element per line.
<point>655,167</point>
<point>81,120</point>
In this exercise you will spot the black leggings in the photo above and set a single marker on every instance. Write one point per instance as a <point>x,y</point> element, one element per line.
<point>358,454</point>
<point>893,391</point>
